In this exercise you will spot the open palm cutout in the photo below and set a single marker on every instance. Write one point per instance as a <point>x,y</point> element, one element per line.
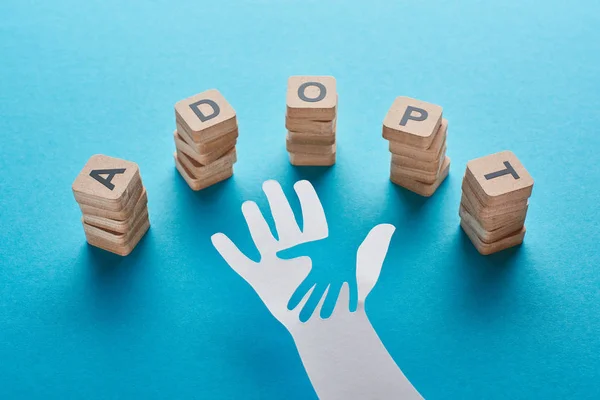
<point>275,279</point>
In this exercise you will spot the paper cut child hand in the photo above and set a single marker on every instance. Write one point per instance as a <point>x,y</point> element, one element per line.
<point>342,355</point>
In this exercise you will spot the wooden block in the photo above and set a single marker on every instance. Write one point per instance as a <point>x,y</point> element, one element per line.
<point>312,97</point>
<point>426,177</point>
<point>119,226</point>
<point>315,149</point>
<point>490,236</point>
<point>308,126</point>
<point>116,238</point>
<point>489,248</point>
<point>133,195</point>
<point>311,138</point>
<point>116,215</point>
<point>497,220</point>
<point>315,160</point>
<point>206,116</point>
<point>499,178</point>
<point>429,154</point>
<point>412,122</point>
<point>107,182</point>
<point>413,163</point>
<point>198,184</point>
<point>206,158</point>
<point>204,171</point>
<point>421,188</point>
<point>490,217</point>
<point>485,212</point>
<point>208,147</point>
<point>122,250</point>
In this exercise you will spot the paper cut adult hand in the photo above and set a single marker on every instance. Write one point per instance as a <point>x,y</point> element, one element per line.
<point>275,279</point>
<point>343,355</point>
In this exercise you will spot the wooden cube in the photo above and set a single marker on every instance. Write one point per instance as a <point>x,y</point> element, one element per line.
<point>412,122</point>
<point>414,163</point>
<point>107,182</point>
<point>206,116</point>
<point>316,149</point>
<point>205,158</point>
<point>312,97</point>
<point>490,235</point>
<point>486,212</point>
<point>201,171</point>
<point>495,221</point>
<point>324,128</point>
<point>429,154</point>
<point>314,160</point>
<point>119,226</point>
<point>499,178</point>
<point>205,148</point>
<point>198,183</point>
<point>484,248</point>
<point>421,188</point>
<point>117,216</point>
<point>311,138</point>
<point>118,243</point>
<point>427,177</point>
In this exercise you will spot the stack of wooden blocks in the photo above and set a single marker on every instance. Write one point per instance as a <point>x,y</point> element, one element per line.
<point>114,203</point>
<point>493,208</point>
<point>310,119</point>
<point>417,134</point>
<point>205,139</point>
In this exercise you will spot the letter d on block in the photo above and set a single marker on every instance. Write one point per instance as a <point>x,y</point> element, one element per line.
<point>196,109</point>
<point>408,115</point>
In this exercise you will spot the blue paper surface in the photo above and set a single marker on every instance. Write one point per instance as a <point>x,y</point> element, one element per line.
<point>172,319</point>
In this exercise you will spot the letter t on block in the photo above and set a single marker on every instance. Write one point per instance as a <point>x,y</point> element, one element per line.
<point>499,178</point>
<point>508,170</point>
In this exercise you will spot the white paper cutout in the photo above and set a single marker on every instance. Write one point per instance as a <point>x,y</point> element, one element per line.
<point>343,356</point>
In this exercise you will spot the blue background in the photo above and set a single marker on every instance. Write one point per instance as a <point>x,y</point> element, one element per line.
<point>172,319</point>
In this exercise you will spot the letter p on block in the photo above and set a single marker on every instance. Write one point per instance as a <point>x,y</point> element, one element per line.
<point>412,122</point>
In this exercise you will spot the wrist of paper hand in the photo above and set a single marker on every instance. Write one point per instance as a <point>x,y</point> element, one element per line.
<point>345,359</point>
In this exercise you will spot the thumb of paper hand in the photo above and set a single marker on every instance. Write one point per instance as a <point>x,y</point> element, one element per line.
<point>369,258</point>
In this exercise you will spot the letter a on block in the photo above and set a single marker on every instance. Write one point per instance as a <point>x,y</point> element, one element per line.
<point>105,178</point>
<point>97,174</point>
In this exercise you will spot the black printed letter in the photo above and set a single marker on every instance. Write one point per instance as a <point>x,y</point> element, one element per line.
<point>509,170</point>
<point>196,109</point>
<point>110,175</point>
<point>302,89</point>
<point>407,115</point>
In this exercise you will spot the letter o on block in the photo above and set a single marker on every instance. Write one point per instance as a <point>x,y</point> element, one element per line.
<point>304,86</point>
<point>311,97</point>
